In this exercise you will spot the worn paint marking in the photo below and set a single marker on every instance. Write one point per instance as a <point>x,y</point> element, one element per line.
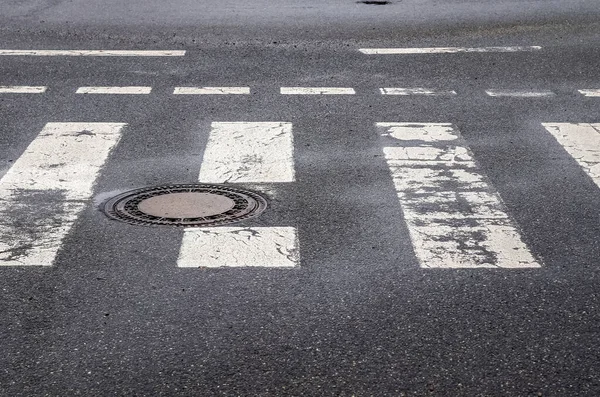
<point>211,91</point>
<point>445,50</point>
<point>45,190</point>
<point>582,142</point>
<point>239,247</point>
<point>115,90</point>
<point>520,93</point>
<point>590,93</point>
<point>94,53</point>
<point>416,91</point>
<point>317,91</point>
<point>454,216</point>
<point>22,89</point>
<point>260,152</point>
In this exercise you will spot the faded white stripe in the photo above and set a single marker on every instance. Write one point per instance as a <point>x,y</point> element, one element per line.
<point>45,190</point>
<point>21,89</point>
<point>593,93</point>
<point>275,247</point>
<point>115,90</point>
<point>237,152</point>
<point>521,93</point>
<point>582,142</point>
<point>94,53</point>
<point>416,91</point>
<point>317,91</point>
<point>444,50</point>
<point>454,216</point>
<point>211,91</point>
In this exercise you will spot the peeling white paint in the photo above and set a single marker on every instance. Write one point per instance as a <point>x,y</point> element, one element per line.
<point>521,93</point>
<point>416,91</point>
<point>115,90</point>
<point>454,216</point>
<point>317,91</point>
<point>211,91</point>
<point>94,53</point>
<point>274,247</point>
<point>582,142</point>
<point>249,152</point>
<point>590,93</point>
<point>444,50</point>
<point>45,190</point>
<point>22,89</point>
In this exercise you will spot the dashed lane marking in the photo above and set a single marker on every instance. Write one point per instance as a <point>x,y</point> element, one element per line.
<point>591,93</point>
<point>444,50</point>
<point>114,90</point>
<point>416,91</point>
<point>94,53</point>
<point>317,91</point>
<point>211,91</point>
<point>521,93</point>
<point>22,89</point>
<point>454,216</point>
<point>46,189</point>
<point>582,142</point>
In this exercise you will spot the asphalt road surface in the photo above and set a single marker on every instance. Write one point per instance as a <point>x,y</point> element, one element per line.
<point>431,170</point>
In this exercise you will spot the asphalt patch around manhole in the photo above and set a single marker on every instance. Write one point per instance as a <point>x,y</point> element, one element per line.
<point>187,205</point>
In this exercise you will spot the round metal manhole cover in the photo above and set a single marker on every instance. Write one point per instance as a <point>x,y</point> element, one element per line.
<point>185,205</point>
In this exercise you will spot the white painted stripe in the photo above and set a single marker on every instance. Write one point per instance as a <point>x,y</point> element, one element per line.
<point>416,91</point>
<point>521,93</point>
<point>593,93</point>
<point>275,247</point>
<point>115,90</point>
<point>211,91</point>
<point>454,216</point>
<point>94,53</point>
<point>238,152</point>
<point>21,89</point>
<point>43,193</point>
<point>317,91</point>
<point>445,50</point>
<point>582,142</point>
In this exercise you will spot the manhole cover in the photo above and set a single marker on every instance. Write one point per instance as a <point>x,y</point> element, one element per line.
<point>185,205</point>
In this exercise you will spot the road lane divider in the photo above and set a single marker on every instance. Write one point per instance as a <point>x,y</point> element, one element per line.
<point>590,93</point>
<point>22,89</point>
<point>115,90</point>
<point>416,91</point>
<point>211,91</point>
<point>521,93</point>
<point>454,216</point>
<point>48,186</point>
<point>317,91</point>
<point>94,53</point>
<point>444,50</point>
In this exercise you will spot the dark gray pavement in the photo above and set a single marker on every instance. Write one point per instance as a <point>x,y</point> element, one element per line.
<point>114,315</point>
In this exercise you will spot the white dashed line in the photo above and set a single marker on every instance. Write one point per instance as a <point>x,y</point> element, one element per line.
<point>94,53</point>
<point>416,91</point>
<point>211,91</point>
<point>582,142</point>
<point>115,90</point>
<point>520,93</point>
<point>22,89</point>
<point>317,91</point>
<point>591,93</point>
<point>46,189</point>
<point>454,216</point>
<point>257,152</point>
<point>444,50</point>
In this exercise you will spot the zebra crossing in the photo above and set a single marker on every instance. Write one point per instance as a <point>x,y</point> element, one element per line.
<point>455,217</point>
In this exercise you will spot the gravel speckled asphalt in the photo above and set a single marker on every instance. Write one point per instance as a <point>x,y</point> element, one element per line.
<point>114,315</point>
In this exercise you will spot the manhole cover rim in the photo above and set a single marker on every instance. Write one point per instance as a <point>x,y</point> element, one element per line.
<point>249,204</point>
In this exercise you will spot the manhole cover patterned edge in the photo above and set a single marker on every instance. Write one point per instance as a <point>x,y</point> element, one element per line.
<point>123,207</point>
